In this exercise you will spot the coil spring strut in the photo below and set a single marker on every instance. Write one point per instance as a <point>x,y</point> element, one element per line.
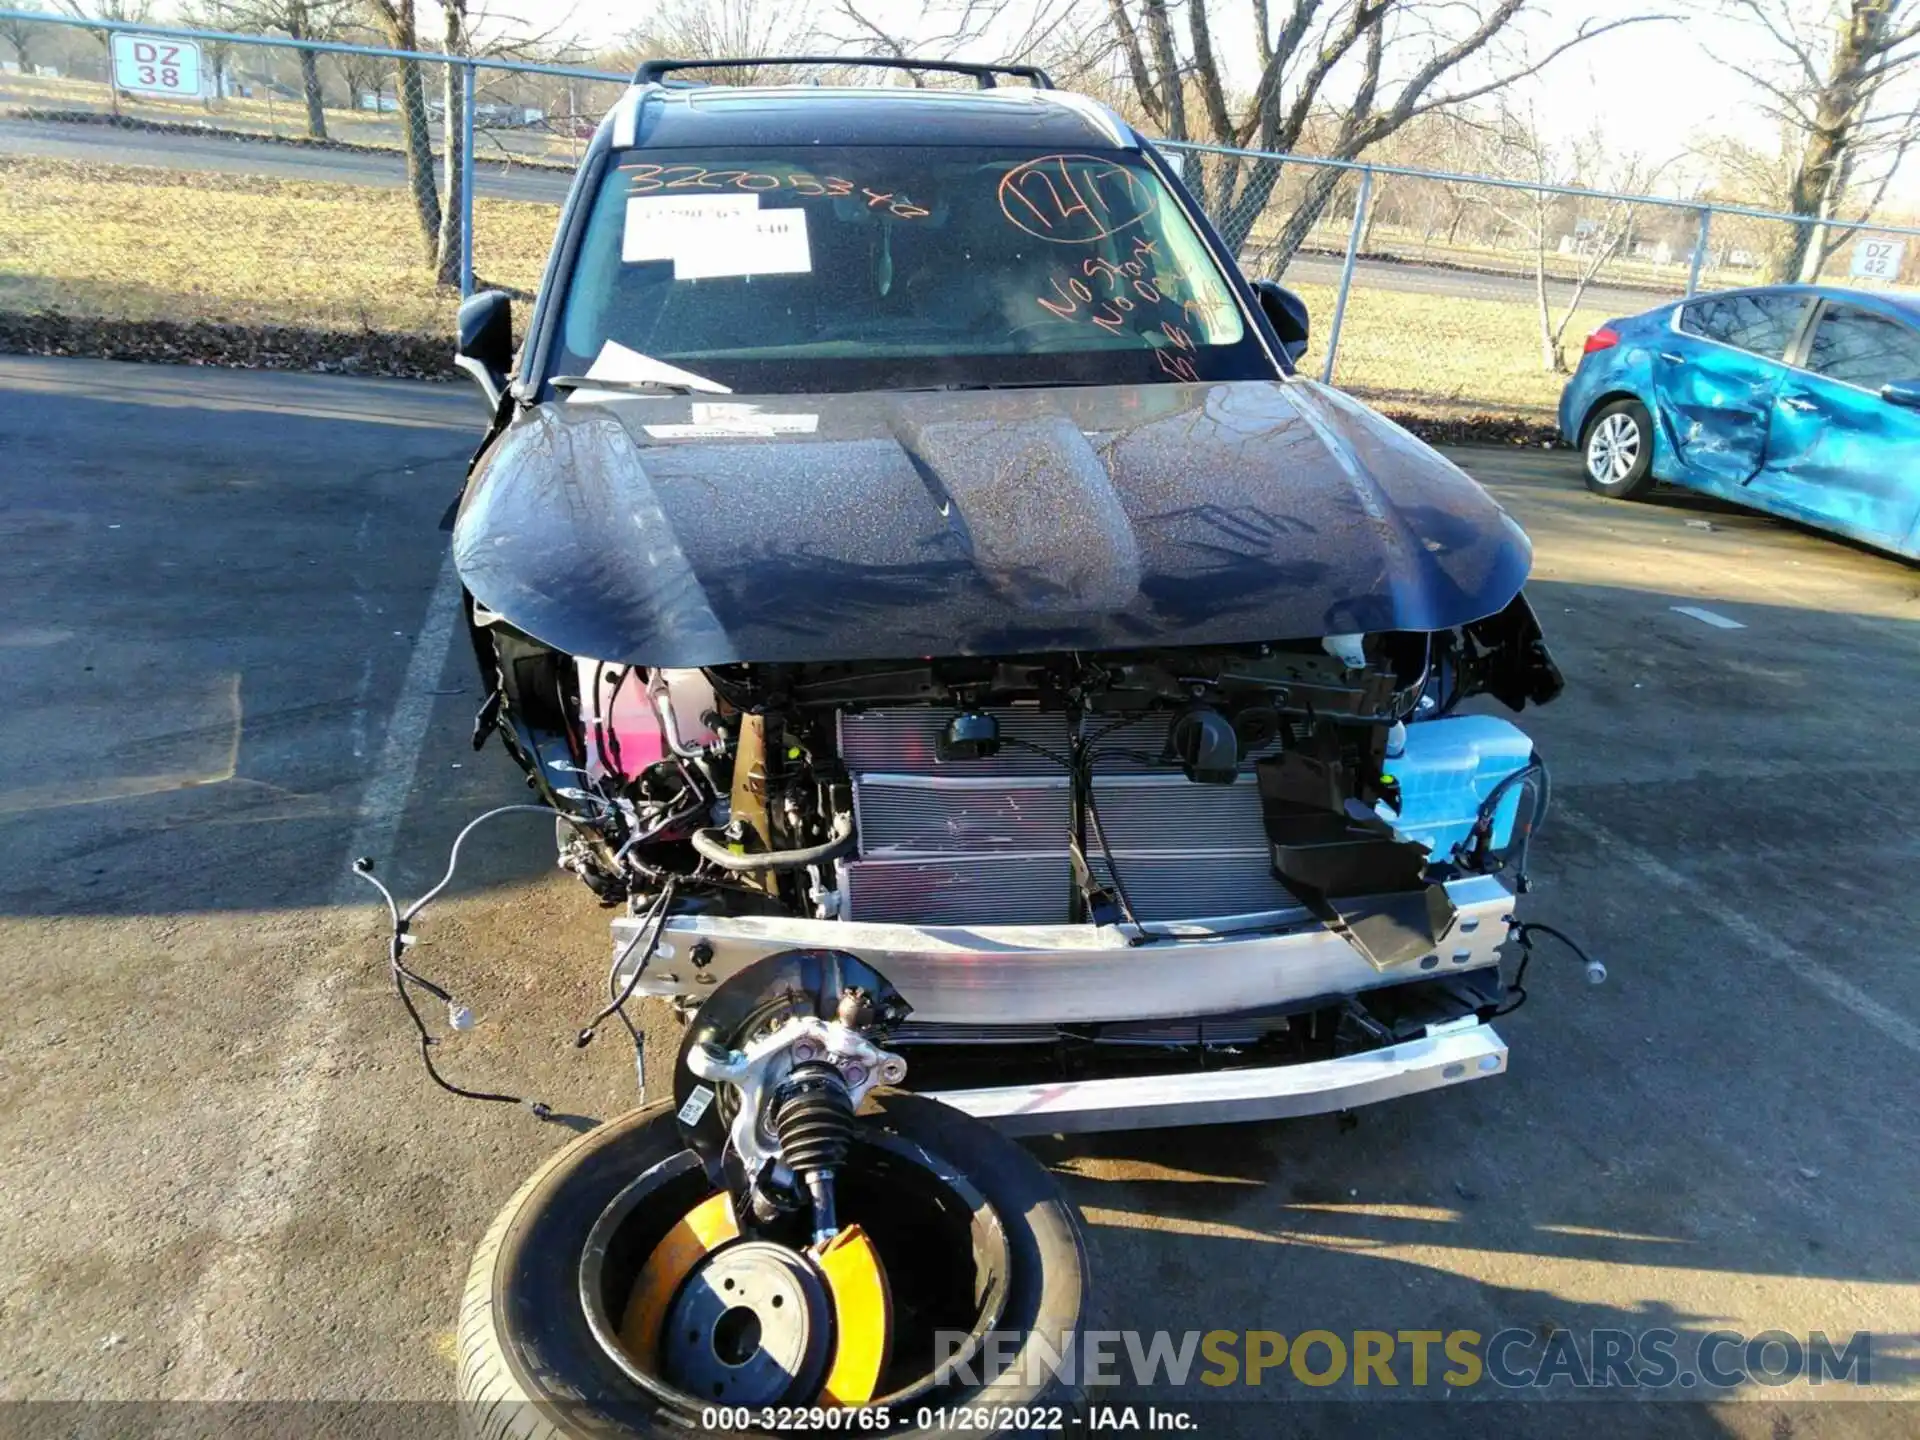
<point>813,1121</point>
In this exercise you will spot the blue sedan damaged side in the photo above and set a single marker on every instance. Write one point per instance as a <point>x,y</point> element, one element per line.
<point>1802,401</point>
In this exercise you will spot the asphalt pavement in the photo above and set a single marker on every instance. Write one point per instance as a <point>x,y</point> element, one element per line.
<point>230,638</point>
<point>103,145</point>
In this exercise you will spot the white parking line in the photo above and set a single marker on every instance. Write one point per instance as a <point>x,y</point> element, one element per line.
<point>1762,941</point>
<point>222,1315</point>
<point>1709,617</point>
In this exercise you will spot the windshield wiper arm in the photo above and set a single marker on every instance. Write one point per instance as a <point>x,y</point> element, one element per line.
<point>617,367</point>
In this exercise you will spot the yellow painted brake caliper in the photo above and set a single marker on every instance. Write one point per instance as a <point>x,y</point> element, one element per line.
<point>862,1317</point>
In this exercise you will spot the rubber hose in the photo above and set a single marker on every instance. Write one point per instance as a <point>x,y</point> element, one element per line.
<point>712,846</point>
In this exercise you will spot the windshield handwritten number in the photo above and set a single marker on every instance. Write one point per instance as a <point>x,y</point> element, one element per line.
<point>1074,199</point>
<point>694,177</point>
<point>646,178</point>
<point>1177,365</point>
<point>831,186</point>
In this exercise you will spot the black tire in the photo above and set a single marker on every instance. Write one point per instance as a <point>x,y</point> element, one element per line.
<point>531,1369</point>
<point>1604,446</point>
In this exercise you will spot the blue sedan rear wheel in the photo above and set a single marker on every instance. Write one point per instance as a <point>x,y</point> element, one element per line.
<point>1618,450</point>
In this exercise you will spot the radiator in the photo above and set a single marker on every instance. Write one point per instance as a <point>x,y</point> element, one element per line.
<point>985,842</point>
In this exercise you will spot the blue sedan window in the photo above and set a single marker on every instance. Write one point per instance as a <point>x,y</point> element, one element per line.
<point>1763,324</point>
<point>1864,348</point>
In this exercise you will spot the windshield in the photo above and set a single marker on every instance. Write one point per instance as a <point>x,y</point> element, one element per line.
<point>883,267</point>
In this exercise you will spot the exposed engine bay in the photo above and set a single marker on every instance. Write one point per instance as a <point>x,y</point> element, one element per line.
<point>1139,789</point>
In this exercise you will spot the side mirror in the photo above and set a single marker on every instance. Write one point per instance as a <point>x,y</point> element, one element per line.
<point>484,348</point>
<point>1287,313</point>
<point>1902,392</point>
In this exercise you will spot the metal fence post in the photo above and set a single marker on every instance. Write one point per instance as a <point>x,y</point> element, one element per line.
<point>1346,274</point>
<point>1699,252</point>
<point>466,179</point>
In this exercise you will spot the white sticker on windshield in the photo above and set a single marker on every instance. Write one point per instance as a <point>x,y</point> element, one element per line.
<point>663,227</point>
<point>715,420</point>
<point>760,242</point>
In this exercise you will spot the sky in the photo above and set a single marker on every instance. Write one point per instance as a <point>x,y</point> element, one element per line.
<point>1652,86</point>
<point>1653,89</point>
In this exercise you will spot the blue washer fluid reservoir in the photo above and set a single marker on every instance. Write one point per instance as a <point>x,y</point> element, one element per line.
<point>1446,769</point>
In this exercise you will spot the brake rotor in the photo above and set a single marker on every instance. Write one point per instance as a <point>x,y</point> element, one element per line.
<point>753,1325</point>
<point>749,1322</point>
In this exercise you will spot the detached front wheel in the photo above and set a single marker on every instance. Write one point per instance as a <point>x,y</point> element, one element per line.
<point>590,1307</point>
<point>1618,453</point>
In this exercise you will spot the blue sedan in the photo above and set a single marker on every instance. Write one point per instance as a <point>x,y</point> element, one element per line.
<point>1800,400</point>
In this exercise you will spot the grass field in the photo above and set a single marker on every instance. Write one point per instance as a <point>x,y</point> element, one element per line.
<point>135,243</point>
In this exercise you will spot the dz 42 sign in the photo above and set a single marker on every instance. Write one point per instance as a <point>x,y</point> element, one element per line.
<point>1877,259</point>
<point>155,66</point>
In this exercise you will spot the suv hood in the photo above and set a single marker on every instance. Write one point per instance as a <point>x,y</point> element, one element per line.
<point>684,532</point>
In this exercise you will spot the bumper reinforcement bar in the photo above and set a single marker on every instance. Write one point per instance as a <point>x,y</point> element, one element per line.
<point>1218,1096</point>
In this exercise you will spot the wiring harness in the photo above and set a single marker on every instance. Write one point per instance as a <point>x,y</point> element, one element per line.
<point>459,1017</point>
<point>1522,933</point>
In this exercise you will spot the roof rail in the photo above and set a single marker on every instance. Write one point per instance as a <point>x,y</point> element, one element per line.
<point>654,72</point>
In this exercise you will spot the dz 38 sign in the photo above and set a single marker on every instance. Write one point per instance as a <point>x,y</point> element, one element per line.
<point>156,66</point>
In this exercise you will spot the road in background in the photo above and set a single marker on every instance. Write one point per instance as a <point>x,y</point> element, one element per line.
<point>226,1173</point>
<point>109,145</point>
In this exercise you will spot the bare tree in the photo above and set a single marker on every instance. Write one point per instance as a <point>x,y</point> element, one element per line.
<point>461,22</point>
<point>1517,150</point>
<point>1369,67</point>
<point>1009,31</point>
<point>297,20</point>
<point>454,41</point>
<point>361,74</point>
<point>398,25</point>
<point>21,34</point>
<point>212,15</point>
<point>1836,86</point>
<point>691,28</point>
<point>132,12</point>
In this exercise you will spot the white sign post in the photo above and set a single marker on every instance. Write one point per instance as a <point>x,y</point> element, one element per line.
<point>1877,259</point>
<point>154,66</point>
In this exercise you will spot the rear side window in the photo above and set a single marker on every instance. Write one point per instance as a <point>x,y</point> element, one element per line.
<point>1763,324</point>
<point>1863,347</point>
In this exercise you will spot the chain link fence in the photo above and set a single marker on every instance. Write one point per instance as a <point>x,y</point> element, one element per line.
<point>288,202</point>
<point>270,199</point>
<point>1443,296</point>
